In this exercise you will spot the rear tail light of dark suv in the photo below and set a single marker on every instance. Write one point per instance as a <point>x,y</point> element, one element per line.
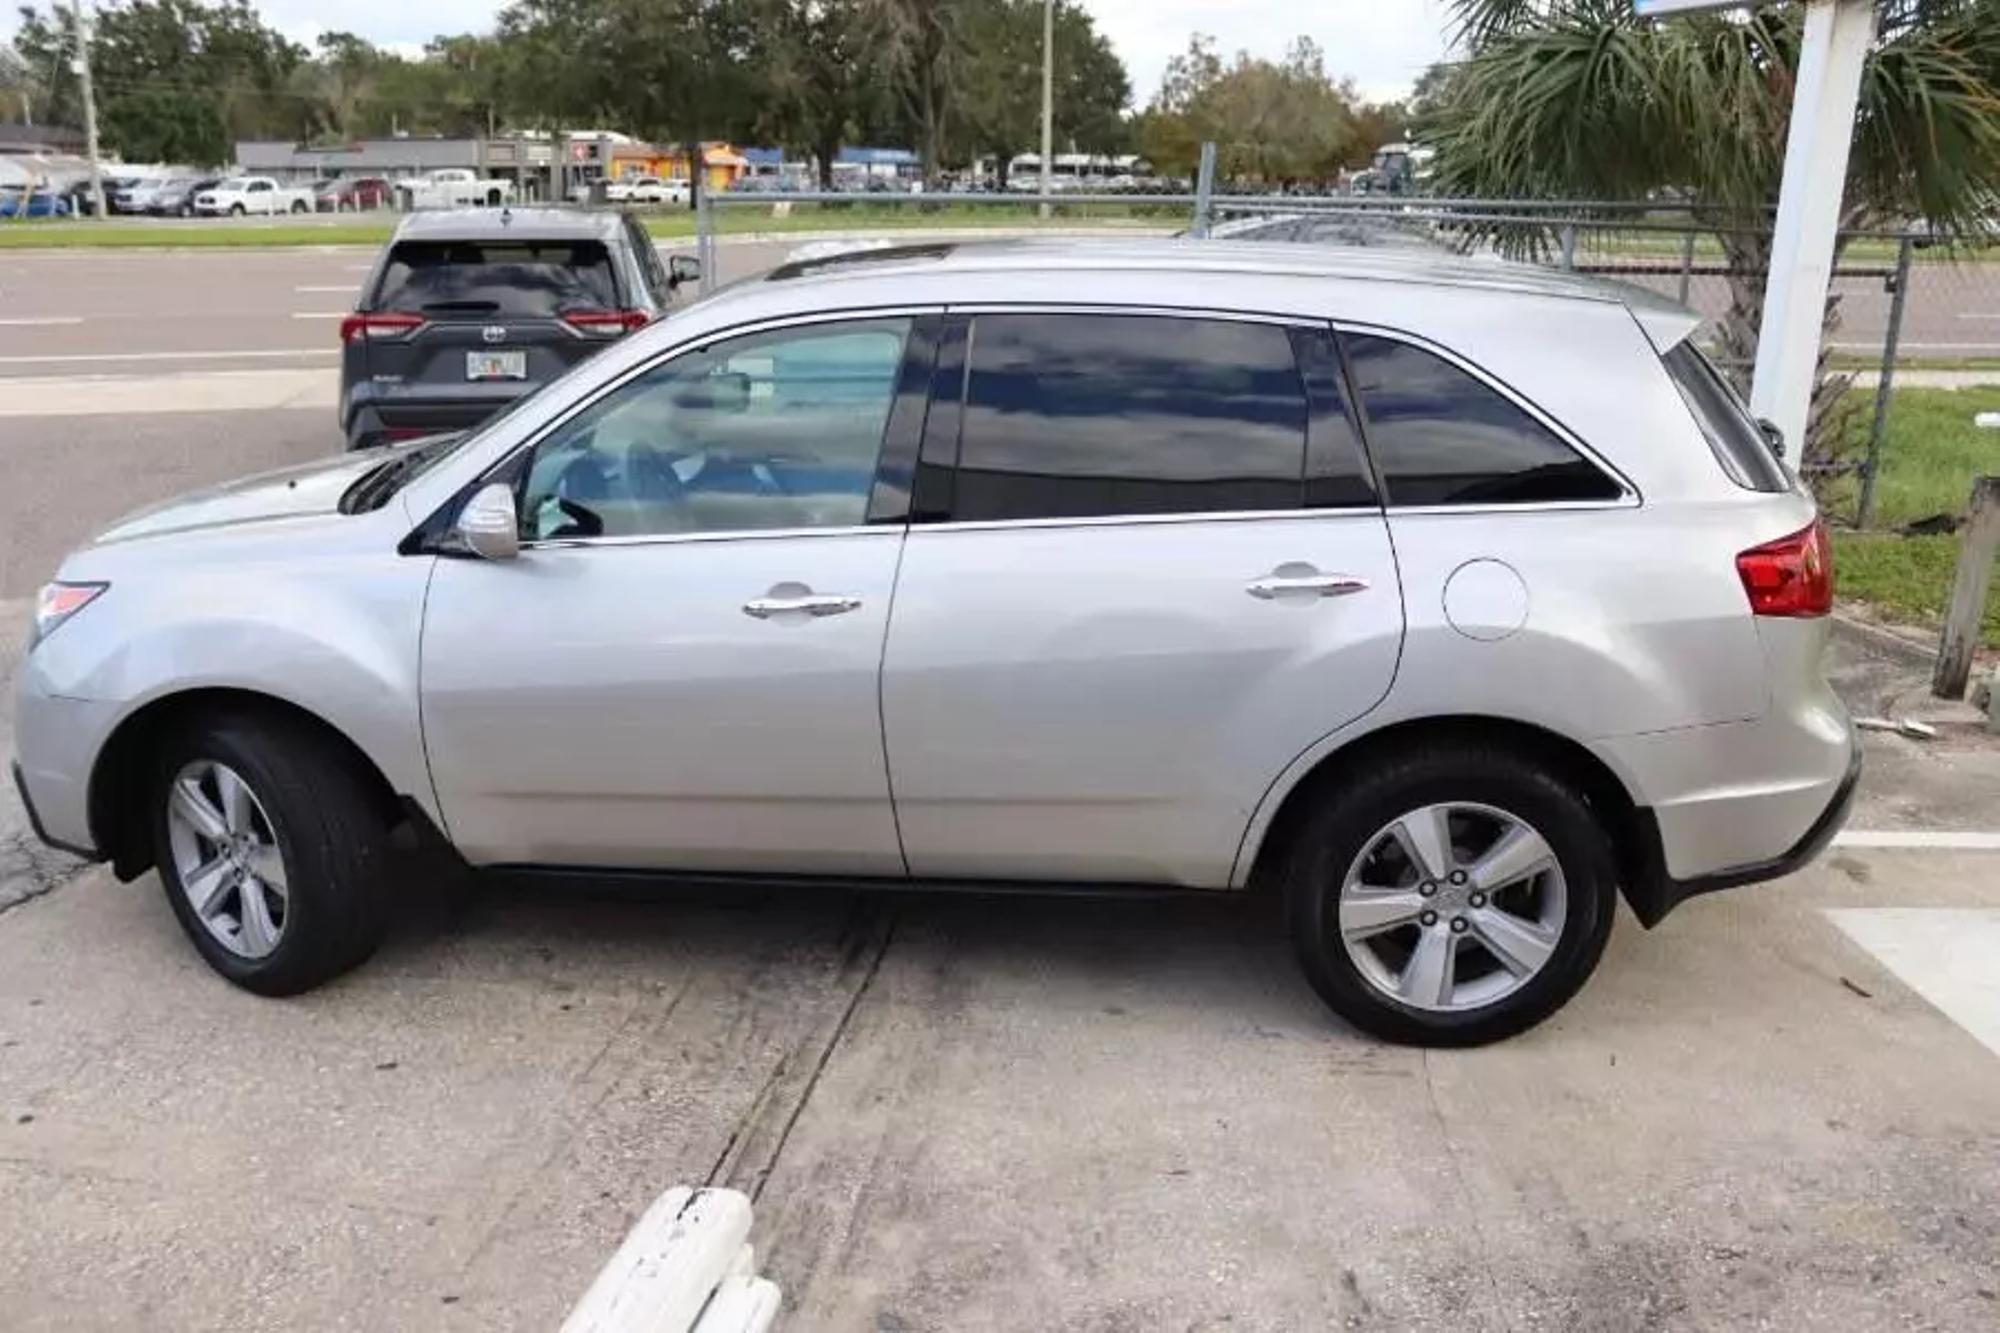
<point>1792,576</point>
<point>606,323</point>
<point>381,324</point>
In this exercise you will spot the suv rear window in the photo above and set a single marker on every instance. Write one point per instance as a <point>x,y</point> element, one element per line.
<point>1738,444</point>
<point>483,278</point>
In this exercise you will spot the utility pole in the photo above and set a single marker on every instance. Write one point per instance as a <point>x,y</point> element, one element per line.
<point>82,68</point>
<point>1048,102</point>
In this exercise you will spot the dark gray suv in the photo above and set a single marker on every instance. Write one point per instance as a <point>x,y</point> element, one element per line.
<point>467,310</point>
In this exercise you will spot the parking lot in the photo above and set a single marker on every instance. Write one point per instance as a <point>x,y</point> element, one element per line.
<point>1780,1109</point>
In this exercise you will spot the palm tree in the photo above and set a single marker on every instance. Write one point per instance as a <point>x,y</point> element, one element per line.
<point>1583,99</point>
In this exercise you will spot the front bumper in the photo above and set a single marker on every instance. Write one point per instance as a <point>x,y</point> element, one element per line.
<point>35,822</point>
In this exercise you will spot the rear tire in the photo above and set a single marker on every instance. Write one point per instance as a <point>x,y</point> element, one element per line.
<point>1392,927</point>
<point>272,848</point>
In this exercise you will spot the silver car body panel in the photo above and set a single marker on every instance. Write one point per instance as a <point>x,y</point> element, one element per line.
<point>1621,626</point>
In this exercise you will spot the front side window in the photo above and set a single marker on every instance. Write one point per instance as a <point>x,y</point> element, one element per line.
<point>1074,416</point>
<point>1440,436</point>
<point>770,430</point>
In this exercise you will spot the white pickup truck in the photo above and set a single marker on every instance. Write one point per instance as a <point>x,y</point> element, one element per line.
<point>240,195</point>
<point>455,187</point>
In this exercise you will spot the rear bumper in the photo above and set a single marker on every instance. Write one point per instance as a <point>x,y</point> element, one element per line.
<point>1653,891</point>
<point>372,411</point>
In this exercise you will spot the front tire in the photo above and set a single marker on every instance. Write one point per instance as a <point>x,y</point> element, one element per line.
<point>237,211</point>
<point>1452,895</point>
<point>272,849</point>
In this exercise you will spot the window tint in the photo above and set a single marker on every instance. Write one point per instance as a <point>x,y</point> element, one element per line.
<point>773,430</point>
<point>481,278</point>
<point>1732,434</point>
<point>1439,436</point>
<point>1070,416</point>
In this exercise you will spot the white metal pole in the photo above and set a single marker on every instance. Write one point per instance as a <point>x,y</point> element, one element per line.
<point>89,93</point>
<point>1048,100</point>
<point>1838,34</point>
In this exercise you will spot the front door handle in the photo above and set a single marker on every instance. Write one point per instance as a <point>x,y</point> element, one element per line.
<point>1303,581</point>
<point>796,599</point>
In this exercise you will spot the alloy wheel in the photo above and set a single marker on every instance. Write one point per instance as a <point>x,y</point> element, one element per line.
<point>226,858</point>
<point>1452,907</point>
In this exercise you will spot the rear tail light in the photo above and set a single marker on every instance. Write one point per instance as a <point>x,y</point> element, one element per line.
<point>606,323</point>
<point>1792,576</point>
<point>381,325</point>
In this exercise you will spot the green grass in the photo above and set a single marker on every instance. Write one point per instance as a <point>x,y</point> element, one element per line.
<point>60,234</point>
<point>732,219</point>
<point>1931,451</point>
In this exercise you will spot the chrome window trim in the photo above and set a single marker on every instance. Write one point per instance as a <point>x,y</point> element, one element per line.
<point>1631,497</point>
<point>732,535</point>
<point>1152,520</point>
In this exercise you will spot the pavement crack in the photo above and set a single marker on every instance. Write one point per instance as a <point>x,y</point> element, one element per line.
<point>28,870</point>
<point>1465,1192</point>
<point>751,1153</point>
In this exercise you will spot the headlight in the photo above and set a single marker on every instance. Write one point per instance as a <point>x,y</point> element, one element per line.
<point>57,602</point>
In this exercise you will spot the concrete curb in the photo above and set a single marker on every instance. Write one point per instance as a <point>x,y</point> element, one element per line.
<point>1882,639</point>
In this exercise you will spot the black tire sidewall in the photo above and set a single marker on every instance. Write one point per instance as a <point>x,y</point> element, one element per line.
<point>330,925</point>
<point>1352,816</point>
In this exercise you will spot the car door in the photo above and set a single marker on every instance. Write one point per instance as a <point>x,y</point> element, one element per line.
<point>680,671</point>
<point>261,195</point>
<point>1148,569</point>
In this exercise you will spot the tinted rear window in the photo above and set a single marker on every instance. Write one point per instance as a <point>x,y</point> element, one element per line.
<point>484,278</point>
<point>1738,444</point>
<point>1442,437</point>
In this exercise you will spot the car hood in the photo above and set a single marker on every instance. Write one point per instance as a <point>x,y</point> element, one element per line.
<point>293,492</point>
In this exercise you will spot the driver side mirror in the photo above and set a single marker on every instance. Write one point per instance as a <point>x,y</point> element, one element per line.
<point>682,269</point>
<point>489,525</point>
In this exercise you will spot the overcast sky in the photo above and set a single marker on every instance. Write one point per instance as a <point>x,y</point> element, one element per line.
<point>1382,44</point>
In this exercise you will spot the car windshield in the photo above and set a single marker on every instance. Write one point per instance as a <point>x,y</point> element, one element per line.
<point>503,277</point>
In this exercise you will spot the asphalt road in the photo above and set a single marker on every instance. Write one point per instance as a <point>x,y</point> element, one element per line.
<point>68,313</point>
<point>1777,1110</point>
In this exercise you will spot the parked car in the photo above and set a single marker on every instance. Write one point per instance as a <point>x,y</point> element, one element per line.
<point>656,190</point>
<point>83,203</point>
<point>147,196</point>
<point>353,194</point>
<point>455,187</point>
<point>176,197</point>
<point>1449,602</point>
<point>261,195</point>
<point>14,203</point>
<point>466,311</point>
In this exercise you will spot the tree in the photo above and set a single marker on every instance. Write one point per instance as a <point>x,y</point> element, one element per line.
<point>923,46</point>
<point>171,74</point>
<point>1277,124</point>
<point>826,86</point>
<point>1000,97</point>
<point>1582,99</point>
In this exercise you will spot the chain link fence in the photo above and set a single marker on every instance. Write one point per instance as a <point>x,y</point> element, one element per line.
<point>1904,313</point>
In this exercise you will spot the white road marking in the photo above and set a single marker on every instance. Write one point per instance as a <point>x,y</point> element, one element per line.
<point>1876,347</point>
<point>193,391</point>
<point>1918,839</point>
<point>39,321</point>
<point>359,268</point>
<point>1977,314</point>
<point>102,358</point>
<point>343,288</point>
<point>1944,954</point>
<point>321,314</point>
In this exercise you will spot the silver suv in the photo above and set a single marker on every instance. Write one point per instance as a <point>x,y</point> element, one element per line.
<point>1448,599</point>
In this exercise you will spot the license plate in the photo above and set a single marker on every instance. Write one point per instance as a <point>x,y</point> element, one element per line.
<point>496,365</point>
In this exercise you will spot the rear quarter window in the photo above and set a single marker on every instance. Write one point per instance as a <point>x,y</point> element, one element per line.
<point>484,278</point>
<point>1724,419</point>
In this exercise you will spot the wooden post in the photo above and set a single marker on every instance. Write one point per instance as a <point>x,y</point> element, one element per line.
<point>1960,639</point>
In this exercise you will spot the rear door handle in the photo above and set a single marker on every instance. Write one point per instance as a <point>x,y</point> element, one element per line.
<point>784,603</point>
<point>1279,583</point>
